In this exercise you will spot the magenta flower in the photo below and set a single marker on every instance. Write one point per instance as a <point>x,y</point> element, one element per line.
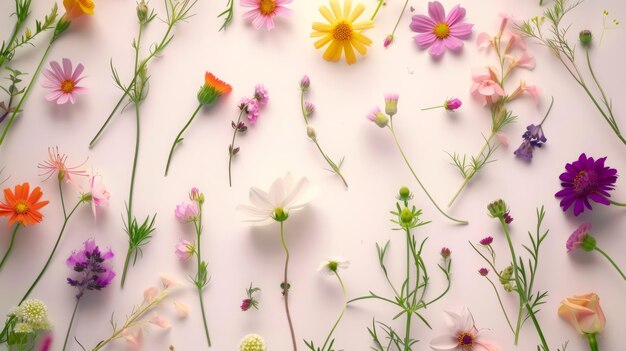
<point>579,238</point>
<point>92,266</point>
<point>263,11</point>
<point>440,32</point>
<point>486,241</point>
<point>583,180</point>
<point>187,211</point>
<point>452,104</point>
<point>483,271</point>
<point>63,82</point>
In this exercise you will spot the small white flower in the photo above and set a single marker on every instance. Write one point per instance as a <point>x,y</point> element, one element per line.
<point>34,313</point>
<point>24,328</point>
<point>334,264</point>
<point>252,342</point>
<point>284,197</point>
<point>463,334</point>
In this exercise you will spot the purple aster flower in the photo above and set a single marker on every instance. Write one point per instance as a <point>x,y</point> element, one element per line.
<point>92,266</point>
<point>580,238</point>
<point>583,180</point>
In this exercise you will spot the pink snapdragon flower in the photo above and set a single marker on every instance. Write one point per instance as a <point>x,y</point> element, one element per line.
<point>63,81</point>
<point>441,32</point>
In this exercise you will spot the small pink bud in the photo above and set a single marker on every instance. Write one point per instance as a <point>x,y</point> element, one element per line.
<point>445,252</point>
<point>483,271</point>
<point>245,304</point>
<point>486,241</point>
<point>452,104</point>
<point>388,40</point>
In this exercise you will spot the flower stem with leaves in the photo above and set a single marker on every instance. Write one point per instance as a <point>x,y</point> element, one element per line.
<point>556,41</point>
<point>307,111</point>
<point>227,14</point>
<point>410,298</point>
<point>177,11</point>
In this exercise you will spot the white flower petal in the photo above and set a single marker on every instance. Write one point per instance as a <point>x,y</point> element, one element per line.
<point>301,195</point>
<point>466,321</point>
<point>260,199</point>
<point>254,212</point>
<point>444,342</point>
<point>483,345</point>
<point>278,192</point>
<point>452,321</point>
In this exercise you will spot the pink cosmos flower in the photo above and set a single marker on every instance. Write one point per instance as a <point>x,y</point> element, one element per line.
<point>63,82</point>
<point>184,250</point>
<point>263,11</point>
<point>99,194</point>
<point>440,32</point>
<point>578,237</point>
<point>187,211</point>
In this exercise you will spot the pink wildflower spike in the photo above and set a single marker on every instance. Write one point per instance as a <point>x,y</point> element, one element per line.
<point>99,194</point>
<point>506,18</point>
<point>526,61</point>
<point>168,281</point>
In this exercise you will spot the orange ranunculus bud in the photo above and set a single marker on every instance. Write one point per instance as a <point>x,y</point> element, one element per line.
<point>77,8</point>
<point>584,313</point>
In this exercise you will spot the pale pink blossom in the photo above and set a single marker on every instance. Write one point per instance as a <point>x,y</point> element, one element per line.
<point>462,334</point>
<point>133,337</point>
<point>502,139</point>
<point>531,90</point>
<point>99,194</point>
<point>159,321</point>
<point>184,250</point>
<point>264,11</point>
<point>526,61</point>
<point>169,281</point>
<point>150,293</point>
<point>63,81</point>
<point>181,309</point>
<point>187,211</point>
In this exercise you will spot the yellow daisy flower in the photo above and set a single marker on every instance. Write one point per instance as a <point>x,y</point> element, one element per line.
<point>341,32</point>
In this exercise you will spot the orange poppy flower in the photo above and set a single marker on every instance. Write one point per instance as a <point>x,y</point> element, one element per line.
<point>77,8</point>
<point>22,206</point>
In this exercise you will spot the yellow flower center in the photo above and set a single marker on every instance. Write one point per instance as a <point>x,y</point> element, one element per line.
<point>21,207</point>
<point>342,31</point>
<point>267,7</point>
<point>67,86</point>
<point>466,341</point>
<point>441,30</point>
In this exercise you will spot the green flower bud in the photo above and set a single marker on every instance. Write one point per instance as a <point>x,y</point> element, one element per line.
<point>497,209</point>
<point>406,216</point>
<point>332,265</point>
<point>310,132</point>
<point>142,11</point>
<point>207,95</point>
<point>405,194</point>
<point>589,243</point>
<point>280,215</point>
<point>585,37</point>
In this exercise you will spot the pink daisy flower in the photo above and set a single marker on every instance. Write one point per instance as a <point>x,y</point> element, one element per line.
<point>263,11</point>
<point>63,81</point>
<point>440,32</point>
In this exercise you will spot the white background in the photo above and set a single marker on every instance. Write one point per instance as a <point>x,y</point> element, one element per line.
<point>338,222</point>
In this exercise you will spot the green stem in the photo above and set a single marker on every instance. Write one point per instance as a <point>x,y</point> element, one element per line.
<point>432,108</point>
<point>6,255</point>
<point>206,328</point>
<point>617,203</point>
<point>506,315</point>
<point>418,180</point>
<point>178,139</point>
<point>473,172</point>
<point>593,343</point>
<point>231,151</point>
<point>126,262</point>
<point>286,286</point>
<point>399,18</point>
<point>380,3</point>
<point>343,310</point>
<point>518,284</point>
<point>198,226</point>
<point>544,343</point>
<point>604,98</point>
<point>612,262</point>
<point>409,314</point>
<point>54,249</point>
<point>23,98</point>
<point>69,327</point>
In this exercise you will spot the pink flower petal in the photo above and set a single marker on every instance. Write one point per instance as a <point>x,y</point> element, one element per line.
<point>133,337</point>
<point>456,14</point>
<point>453,43</point>
<point>79,69</point>
<point>54,95</point>
<point>425,40</point>
<point>483,41</point>
<point>252,14</point>
<point>150,293</point>
<point>484,345</point>
<point>421,23</point>
<point>80,90</point>
<point>52,76</point>
<point>63,99</point>
<point>57,69</point>
<point>159,322</point>
<point>283,11</point>
<point>67,68</point>
<point>249,3</point>
<point>461,30</point>
<point>72,98</point>
<point>259,21</point>
<point>436,11</point>
<point>437,49</point>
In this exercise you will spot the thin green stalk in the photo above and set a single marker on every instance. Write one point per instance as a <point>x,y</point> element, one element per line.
<point>56,244</point>
<point>126,262</point>
<point>286,286</point>
<point>417,178</point>
<point>617,203</point>
<point>6,255</point>
<point>343,310</point>
<point>178,139</point>
<point>518,284</point>
<point>231,151</point>
<point>25,94</point>
<point>593,343</point>
<point>432,108</point>
<point>409,314</point>
<point>595,79</point>
<point>380,3</point>
<point>531,313</point>
<point>69,327</point>
<point>198,226</point>
<point>506,315</point>
<point>399,18</point>
<point>612,262</point>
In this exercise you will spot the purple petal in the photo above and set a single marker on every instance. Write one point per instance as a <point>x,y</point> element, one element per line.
<point>599,199</point>
<point>456,14</point>
<point>421,23</point>
<point>436,11</point>
<point>461,30</point>
<point>578,208</point>
<point>424,40</point>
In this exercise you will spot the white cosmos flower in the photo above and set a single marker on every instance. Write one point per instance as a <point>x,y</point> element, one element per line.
<point>463,334</point>
<point>284,197</point>
<point>334,264</point>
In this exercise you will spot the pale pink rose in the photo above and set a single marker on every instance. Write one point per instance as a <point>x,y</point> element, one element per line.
<point>584,313</point>
<point>133,337</point>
